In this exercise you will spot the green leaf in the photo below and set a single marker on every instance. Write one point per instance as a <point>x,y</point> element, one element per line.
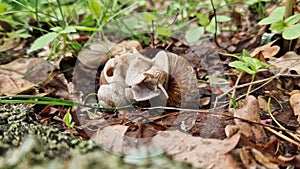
<point>223,18</point>
<point>149,17</point>
<point>234,102</point>
<point>68,118</point>
<point>88,21</point>
<point>193,34</point>
<point>84,28</point>
<point>68,29</point>
<point>204,21</point>
<point>43,41</point>
<point>96,8</point>
<point>292,19</point>
<point>254,63</point>
<point>278,26</point>
<point>164,31</point>
<point>291,32</point>
<point>56,29</point>
<point>212,27</point>
<point>275,16</point>
<point>241,66</point>
<point>75,45</point>
<point>246,53</point>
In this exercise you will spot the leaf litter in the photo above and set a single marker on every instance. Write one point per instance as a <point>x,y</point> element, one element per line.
<point>243,138</point>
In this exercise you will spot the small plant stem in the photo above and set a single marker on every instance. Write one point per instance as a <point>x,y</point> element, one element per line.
<point>250,86</point>
<point>61,13</point>
<point>216,23</point>
<point>65,38</point>
<point>71,132</point>
<point>288,13</point>
<point>36,12</point>
<point>234,88</point>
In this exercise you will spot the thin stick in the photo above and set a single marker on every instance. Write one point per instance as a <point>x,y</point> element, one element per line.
<point>283,136</point>
<point>208,111</point>
<point>274,119</point>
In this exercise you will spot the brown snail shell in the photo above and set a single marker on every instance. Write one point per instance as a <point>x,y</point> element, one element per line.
<point>167,77</point>
<point>182,83</point>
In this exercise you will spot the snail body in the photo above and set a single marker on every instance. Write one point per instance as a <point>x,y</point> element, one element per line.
<point>167,77</point>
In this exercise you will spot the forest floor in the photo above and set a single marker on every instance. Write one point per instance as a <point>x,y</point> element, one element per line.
<point>149,84</point>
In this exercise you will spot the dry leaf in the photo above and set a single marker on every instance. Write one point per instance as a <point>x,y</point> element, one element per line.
<point>253,158</point>
<point>12,86</point>
<point>200,152</point>
<point>95,54</point>
<point>34,70</point>
<point>267,51</point>
<point>263,104</point>
<point>111,138</point>
<point>288,63</point>
<point>230,130</point>
<point>295,103</point>
<point>250,111</point>
<point>262,159</point>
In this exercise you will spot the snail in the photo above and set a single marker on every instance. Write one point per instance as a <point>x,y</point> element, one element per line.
<point>132,77</point>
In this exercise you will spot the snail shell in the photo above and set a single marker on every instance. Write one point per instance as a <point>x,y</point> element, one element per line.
<point>167,77</point>
<point>181,85</point>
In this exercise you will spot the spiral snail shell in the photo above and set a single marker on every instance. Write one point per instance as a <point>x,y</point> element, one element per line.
<point>132,77</point>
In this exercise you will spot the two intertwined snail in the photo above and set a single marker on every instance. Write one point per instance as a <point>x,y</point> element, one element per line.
<point>165,80</point>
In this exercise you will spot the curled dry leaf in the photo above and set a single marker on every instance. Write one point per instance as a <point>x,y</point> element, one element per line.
<point>250,112</point>
<point>295,103</point>
<point>200,152</point>
<point>267,51</point>
<point>167,77</point>
<point>230,130</point>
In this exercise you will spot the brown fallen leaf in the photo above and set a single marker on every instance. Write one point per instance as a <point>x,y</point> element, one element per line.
<point>34,70</point>
<point>12,86</point>
<point>200,152</point>
<point>288,63</point>
<point>250,111</point>
<point>111,138</point>
<point>253,158</point>
<point>295,103</point>
<point>267,51</point>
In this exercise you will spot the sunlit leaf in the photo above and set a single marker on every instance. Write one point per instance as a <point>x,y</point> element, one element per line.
<point>254,63</point>
<point>241,66</point>
<point>292,19</point>
<point>278,26</point>
<point>164,31</point>
<point>85,28</point>
<point>291,32</point>
<point>148,17</point>
<point>223,18</point>
<point>68,29</point>
<point>43,41</point>
<point>56,29</point>
<point>212,26</point>
<point>275,16</point>
<point>96,7</point>
<point>204,21</point>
